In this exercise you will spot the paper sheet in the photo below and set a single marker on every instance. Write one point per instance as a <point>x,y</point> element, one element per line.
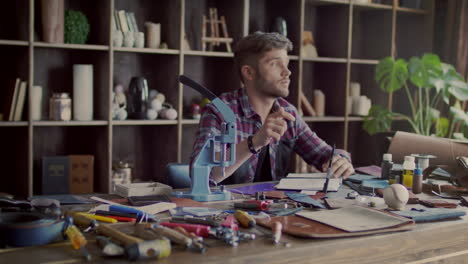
<point>354,218</point>
<point>311,184</point>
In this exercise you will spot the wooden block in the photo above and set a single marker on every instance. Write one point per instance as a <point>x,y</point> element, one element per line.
<point>307,107</point>
<point>81,174</point>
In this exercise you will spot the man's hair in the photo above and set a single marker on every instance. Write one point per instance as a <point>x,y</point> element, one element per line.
<point>252,47</point>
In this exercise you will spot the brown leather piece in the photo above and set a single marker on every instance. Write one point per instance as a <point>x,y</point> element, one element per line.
<point>302,227</point>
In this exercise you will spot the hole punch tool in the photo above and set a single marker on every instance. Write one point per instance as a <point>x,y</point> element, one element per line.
<point>206,159</point>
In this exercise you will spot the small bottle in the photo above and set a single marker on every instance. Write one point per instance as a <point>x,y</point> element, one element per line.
<point>386,166</point>
<point>408,171</point>
<point>417,180</point>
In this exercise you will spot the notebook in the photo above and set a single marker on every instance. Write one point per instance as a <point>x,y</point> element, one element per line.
<point>307,181</point>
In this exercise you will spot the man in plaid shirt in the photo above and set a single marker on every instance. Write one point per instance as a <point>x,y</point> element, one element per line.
<point>269,128</point>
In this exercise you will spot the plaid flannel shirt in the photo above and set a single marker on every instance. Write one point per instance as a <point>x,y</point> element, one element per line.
<point>306,142</point>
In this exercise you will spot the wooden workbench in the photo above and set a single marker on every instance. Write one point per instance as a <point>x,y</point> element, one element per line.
<point>437,242</point>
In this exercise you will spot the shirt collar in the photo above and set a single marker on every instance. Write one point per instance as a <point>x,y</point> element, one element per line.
<point>247,107</point>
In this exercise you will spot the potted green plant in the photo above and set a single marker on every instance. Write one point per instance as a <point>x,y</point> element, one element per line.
<point>76,27</point>
<point>437,84</point>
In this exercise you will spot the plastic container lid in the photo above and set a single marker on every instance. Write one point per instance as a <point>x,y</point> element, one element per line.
<point>417,171</point>
<point>387,156</point>
<point>409,158</point>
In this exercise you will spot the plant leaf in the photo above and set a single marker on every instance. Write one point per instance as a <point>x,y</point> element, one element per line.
<point>459,136</point>
<point>459,115</point>
<point>441,126</point>
<point>459,90</point>
<point>423,70</point>
<point>378,120</point>
<point>391,75</point>
<point>434,113</point>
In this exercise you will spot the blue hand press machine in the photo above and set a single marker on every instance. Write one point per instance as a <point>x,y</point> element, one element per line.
<point>206,159</point>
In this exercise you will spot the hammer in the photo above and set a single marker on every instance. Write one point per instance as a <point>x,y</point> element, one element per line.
<point>137,248</point>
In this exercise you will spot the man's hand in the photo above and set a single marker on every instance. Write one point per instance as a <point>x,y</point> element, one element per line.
<point>341,167</point>
<point>274,128</point>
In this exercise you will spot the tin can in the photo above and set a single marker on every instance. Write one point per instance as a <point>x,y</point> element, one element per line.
<point>60,107</point>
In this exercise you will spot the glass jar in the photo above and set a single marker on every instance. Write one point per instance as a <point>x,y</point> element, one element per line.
<point>60,107</point>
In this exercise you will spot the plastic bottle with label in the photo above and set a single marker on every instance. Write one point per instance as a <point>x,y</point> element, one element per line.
<point>408,171</point>
<point>386,167</point>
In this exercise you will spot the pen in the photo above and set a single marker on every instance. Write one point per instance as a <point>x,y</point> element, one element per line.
<point>325,185</point>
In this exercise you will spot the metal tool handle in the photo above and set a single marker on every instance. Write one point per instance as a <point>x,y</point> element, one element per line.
<point>200,88</point>
<point>121,237</point>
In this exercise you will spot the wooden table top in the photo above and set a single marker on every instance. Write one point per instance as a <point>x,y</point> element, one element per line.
<point>427,243</point>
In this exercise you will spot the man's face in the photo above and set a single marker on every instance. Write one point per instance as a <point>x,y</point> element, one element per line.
<point>272,74</point>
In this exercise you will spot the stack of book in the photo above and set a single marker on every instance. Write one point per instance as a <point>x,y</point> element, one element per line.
<point>125,21</point>
<point>15,104</point>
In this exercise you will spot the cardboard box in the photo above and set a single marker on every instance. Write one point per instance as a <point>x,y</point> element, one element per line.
<point>81,174</point>
<point>445,150</point>
<point>55,175</point>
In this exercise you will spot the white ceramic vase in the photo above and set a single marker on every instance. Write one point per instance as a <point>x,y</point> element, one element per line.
<point>83,92</point>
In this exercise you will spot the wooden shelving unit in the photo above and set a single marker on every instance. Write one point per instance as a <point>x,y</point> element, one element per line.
<point>350,38</point>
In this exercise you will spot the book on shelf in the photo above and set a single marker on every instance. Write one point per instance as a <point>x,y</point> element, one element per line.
<point>117,20</point>
<point>123,21</point>
<point>129,22</point>
<point>20,103</point>
<point>134,23</point>
<point>13,99</point>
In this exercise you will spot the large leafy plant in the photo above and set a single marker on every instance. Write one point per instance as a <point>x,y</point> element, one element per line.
<point>439,86</point>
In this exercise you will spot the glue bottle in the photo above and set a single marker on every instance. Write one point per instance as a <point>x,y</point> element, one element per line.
<point>386,166</point>
<point>408,171</point>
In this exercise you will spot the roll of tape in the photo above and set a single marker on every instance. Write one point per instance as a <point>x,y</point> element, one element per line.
<point>19,229</point>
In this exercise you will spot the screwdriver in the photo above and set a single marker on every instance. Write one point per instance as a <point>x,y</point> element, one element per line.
<point>78,240</point>
<point>244,219</point>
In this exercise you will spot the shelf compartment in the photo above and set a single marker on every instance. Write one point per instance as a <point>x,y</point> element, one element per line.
<point>195,10</point>
<point>53,70</point>
<point>14,157</point>
<point>368,41</point>
<point>97,13</point>
<point>165,12</point>
<point>364,75</point>
<point>221,78</point>
<point>413,35</point>
<point>264,12</point>
<point>63,141</point>
<point>15,20</point>
<point>330,78</point>
<point>159,70</point>
<point>329,26</point>
<point>14,65</point>
<point>147,148</point>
